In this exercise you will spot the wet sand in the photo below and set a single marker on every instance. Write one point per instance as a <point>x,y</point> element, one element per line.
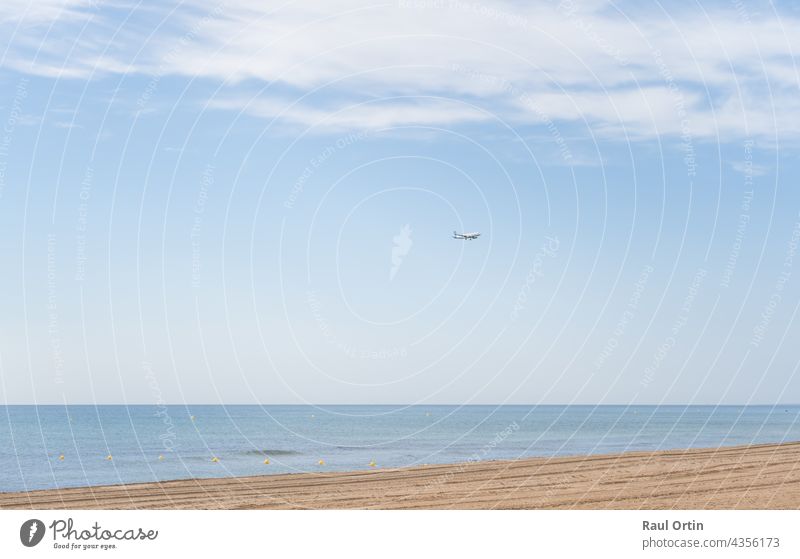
<point>745,477</point>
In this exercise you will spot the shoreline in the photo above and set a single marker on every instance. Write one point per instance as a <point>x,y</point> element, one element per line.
<point>765,476</point>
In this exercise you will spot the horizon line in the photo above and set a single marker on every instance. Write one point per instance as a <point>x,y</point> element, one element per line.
<point>157,404</point>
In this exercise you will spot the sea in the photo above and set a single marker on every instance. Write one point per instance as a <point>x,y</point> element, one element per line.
<point>45,447</point>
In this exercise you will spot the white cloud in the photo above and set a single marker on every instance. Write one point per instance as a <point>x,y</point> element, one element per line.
<point>721,74</point>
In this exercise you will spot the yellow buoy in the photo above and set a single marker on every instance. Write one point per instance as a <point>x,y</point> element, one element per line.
<point>109,457</point>
<point>160,457</point>
<point>321,462</point>
<point>266,460</point>
<point>215,459</point>
<point>60,456</point>
<point>372,464</point>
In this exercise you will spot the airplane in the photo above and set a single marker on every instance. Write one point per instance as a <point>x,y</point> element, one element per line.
<point>466,236</point>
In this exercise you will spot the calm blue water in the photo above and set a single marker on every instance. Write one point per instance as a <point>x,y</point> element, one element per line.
<point>295,438</point>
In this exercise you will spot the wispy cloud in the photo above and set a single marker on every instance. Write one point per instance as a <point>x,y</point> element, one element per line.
<point>750,168</point>
<point>373,114</point>
<point>723,73</point>
<point>66,124</point>
<point>31,12</point>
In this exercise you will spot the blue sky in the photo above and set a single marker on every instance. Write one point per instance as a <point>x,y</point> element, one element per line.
<point>226,203</point>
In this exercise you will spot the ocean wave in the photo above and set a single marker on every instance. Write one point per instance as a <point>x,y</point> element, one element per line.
<point>271,452</point>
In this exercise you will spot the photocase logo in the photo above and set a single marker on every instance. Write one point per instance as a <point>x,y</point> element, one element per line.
<point>31,532</point>
<point>402,244</point>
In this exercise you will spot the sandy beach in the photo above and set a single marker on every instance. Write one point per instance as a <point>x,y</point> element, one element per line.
<point>751,477</point>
